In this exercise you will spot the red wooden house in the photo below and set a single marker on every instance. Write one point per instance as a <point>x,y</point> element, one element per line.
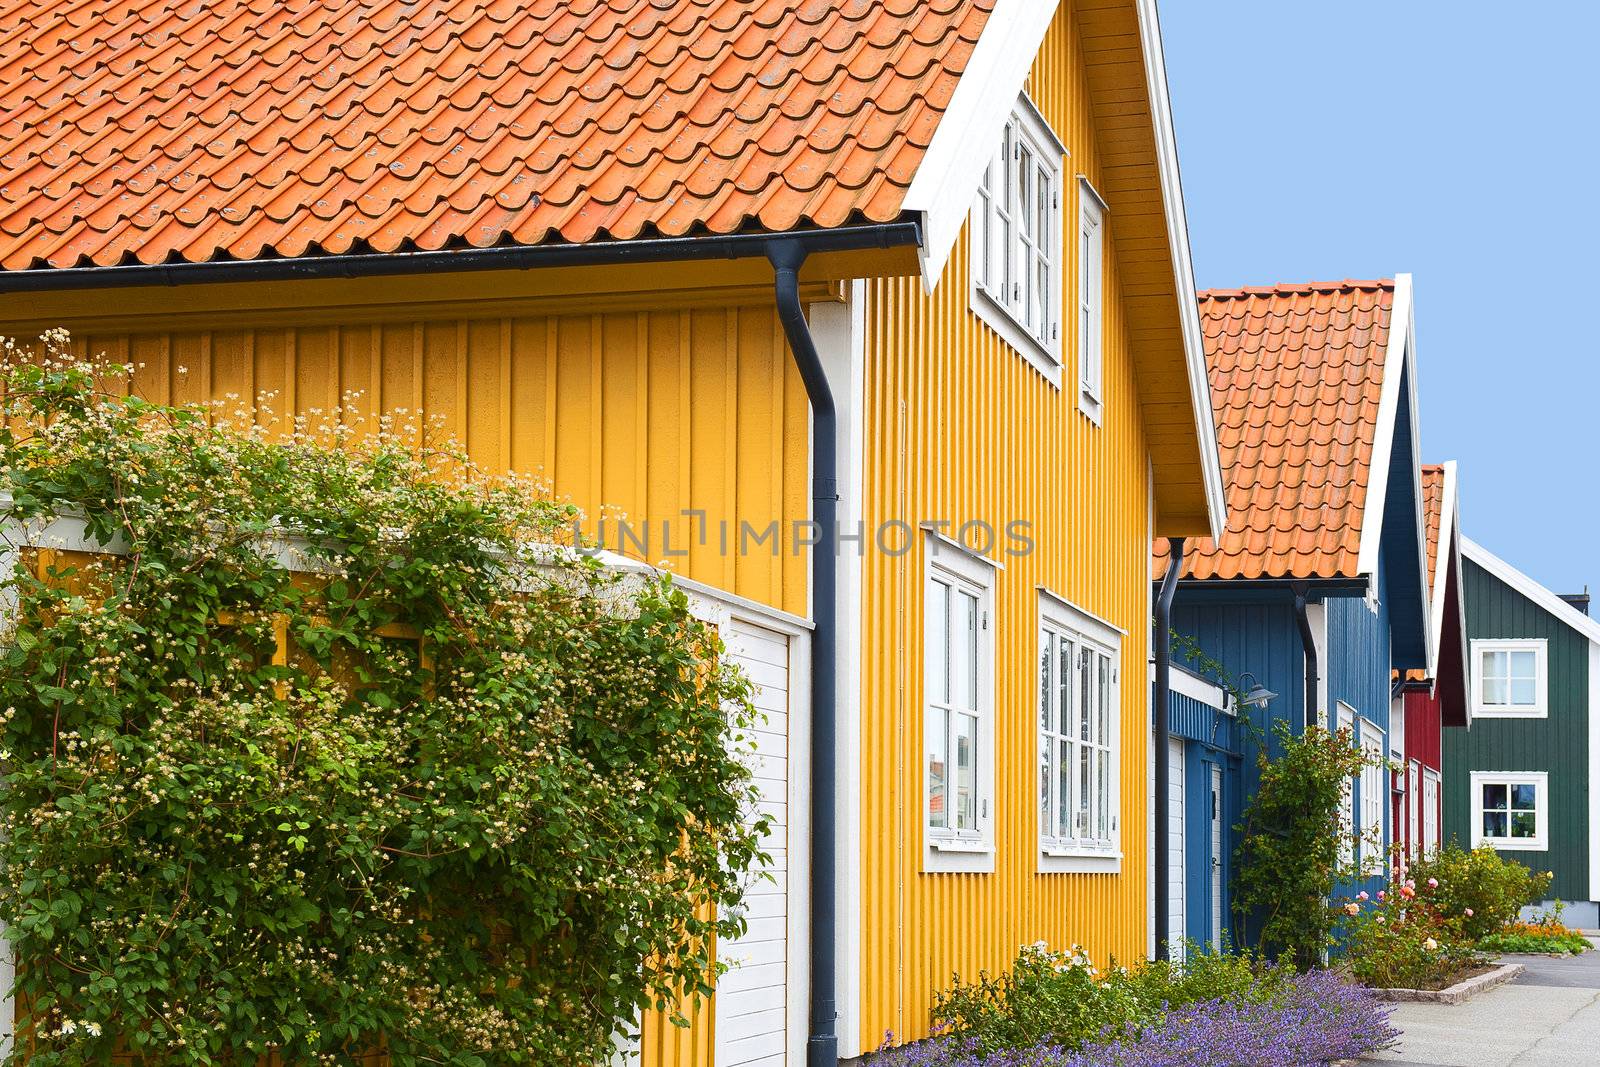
<point>1437,697</point>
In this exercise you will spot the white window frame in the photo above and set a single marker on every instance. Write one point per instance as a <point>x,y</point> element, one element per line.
<point>999,244</point>
<point>1090,308</point>
<point>947,848</point>
<point>1345,719</point>
<point>1091,639</point>
<point>1374,794</point>
<point>1540,708</point>
<point>1431,784</point>
<point>1414,846</point>
<point>1540,780</point>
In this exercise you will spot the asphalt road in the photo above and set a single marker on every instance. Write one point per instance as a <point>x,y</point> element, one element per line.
<point>1549,1016</point>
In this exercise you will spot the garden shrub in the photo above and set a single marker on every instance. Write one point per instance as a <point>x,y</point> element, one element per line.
<point>453,791</point>
<point>1274,1018</point>
<point>1291,853</point>
<point>1484,886</point>
<point>1407,937</point>
<point>1057,998</point>
<point>1529,937</point>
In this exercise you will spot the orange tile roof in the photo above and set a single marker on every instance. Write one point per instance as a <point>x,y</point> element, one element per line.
<point>1296,376</point>
<point>161,130</point>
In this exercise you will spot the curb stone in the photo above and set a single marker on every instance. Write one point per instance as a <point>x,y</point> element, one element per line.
<point>1459,992</point>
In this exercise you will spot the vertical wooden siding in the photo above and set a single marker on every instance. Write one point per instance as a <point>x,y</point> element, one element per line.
<point>962,428</point>
<point>643,414</point>
<point>1558,744</point>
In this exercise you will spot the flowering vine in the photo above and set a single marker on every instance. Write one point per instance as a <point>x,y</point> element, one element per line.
<point>329,745</point>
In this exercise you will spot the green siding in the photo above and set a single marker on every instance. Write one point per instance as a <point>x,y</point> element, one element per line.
<point>1558,745</point>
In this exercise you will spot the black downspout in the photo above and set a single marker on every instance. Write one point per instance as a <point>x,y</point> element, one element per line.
<point>1313,714</point>
<point>1163,697</point>
<point>822,1041</point>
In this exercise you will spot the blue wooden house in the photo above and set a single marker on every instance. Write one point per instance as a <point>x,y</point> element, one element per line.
<point>1317,591</point>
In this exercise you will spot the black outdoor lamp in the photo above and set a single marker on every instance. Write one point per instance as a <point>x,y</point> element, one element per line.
<point>1258,695</point>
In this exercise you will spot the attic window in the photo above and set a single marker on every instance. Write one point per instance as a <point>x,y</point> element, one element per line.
<point>1016,240</point>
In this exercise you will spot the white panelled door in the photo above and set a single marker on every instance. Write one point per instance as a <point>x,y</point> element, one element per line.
<point>1176,871</point>
<point>753,999</point>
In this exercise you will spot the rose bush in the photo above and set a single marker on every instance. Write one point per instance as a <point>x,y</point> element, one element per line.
<point>1481,881</point>
<point>1405,937</point>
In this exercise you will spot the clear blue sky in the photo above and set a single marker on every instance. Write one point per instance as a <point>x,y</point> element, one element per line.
<point>1459,141</point>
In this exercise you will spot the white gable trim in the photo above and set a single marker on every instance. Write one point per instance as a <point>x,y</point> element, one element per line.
<point>1398,359</point>
<point>1155,69</point>
<point>1531,589</point>
<point>1395,356</point>
<point>966,137</point>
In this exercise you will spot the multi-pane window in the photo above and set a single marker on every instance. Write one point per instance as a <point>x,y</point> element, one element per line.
<point>1430,812</point>
<point>1510,810</point>
<point>1510,678</point>
<point>1091,296</point>
<point>957,732</point>
<point>1373,777</point>
<point>1016,238</point>
<point>1078,733</point>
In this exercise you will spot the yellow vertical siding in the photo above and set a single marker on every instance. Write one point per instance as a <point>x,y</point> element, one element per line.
<point>642,413</point>
<point>962,428</point>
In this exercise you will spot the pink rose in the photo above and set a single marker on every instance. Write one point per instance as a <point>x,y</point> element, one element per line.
<point>1382,895</point>
<point>1467,913</point>
<point>1433,883</point>
<point>1361,895</point>
<point>1380,918</point>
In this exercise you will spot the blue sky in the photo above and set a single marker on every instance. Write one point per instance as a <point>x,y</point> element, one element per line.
<point>1459,141</point>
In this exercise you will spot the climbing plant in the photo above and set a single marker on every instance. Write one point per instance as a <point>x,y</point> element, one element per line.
<point>1294,844</point>
<point>343,748</point>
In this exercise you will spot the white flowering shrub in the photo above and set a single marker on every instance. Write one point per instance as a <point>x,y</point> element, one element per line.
<point>426,792</point>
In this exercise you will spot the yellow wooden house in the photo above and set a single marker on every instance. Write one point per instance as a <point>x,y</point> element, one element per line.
<point>872,318</point>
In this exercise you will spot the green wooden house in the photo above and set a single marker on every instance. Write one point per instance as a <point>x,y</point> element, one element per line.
<point>1518,779</point>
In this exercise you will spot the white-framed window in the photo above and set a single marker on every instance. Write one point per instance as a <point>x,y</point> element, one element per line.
<point>1511,810</point>
<point>1413,810</point>
<point>1079,738</point>
<point>1091,298</point>
<point>1374,793</point>
<point>1430,811</point>
<point>958,709</point>
<point>1346,722</point>
<point>1016,240</point>
<point>1509,678</point>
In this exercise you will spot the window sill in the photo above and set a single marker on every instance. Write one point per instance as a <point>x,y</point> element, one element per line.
<point>1016,336</point>
<point>1513,846</point>
<point>1506,713</point>
<point>1090,405</point>
<point>950,855</point>
<point>1079,861</point>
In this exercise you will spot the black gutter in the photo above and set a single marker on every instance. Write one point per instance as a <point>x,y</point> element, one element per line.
<point>499,257</point>
<point>1313,714</point>
<point>1163,698</point>
<point>822,1040</point>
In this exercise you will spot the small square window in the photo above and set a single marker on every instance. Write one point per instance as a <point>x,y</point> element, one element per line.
<point>1510,810</point>
<point>1509,679</point>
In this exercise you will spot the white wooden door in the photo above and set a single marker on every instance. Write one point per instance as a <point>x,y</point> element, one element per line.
<point>753,997</point>
<point>1176,880</point>
<point>1216,854</point>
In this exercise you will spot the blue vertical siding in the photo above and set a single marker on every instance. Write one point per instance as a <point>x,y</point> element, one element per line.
<point>1358,675</point>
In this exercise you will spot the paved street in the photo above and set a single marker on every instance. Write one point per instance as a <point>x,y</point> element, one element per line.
<point>1548,1017</point>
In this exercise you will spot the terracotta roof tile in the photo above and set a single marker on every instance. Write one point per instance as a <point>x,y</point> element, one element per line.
<point>1296,375</point>
<point>174,130</point>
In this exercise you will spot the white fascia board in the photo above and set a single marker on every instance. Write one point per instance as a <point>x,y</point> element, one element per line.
<point>1398,359</point>
<point>1594,771</point>
<point>1531,589</point>
<point>1155,69</point>
<point>969,133</point>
